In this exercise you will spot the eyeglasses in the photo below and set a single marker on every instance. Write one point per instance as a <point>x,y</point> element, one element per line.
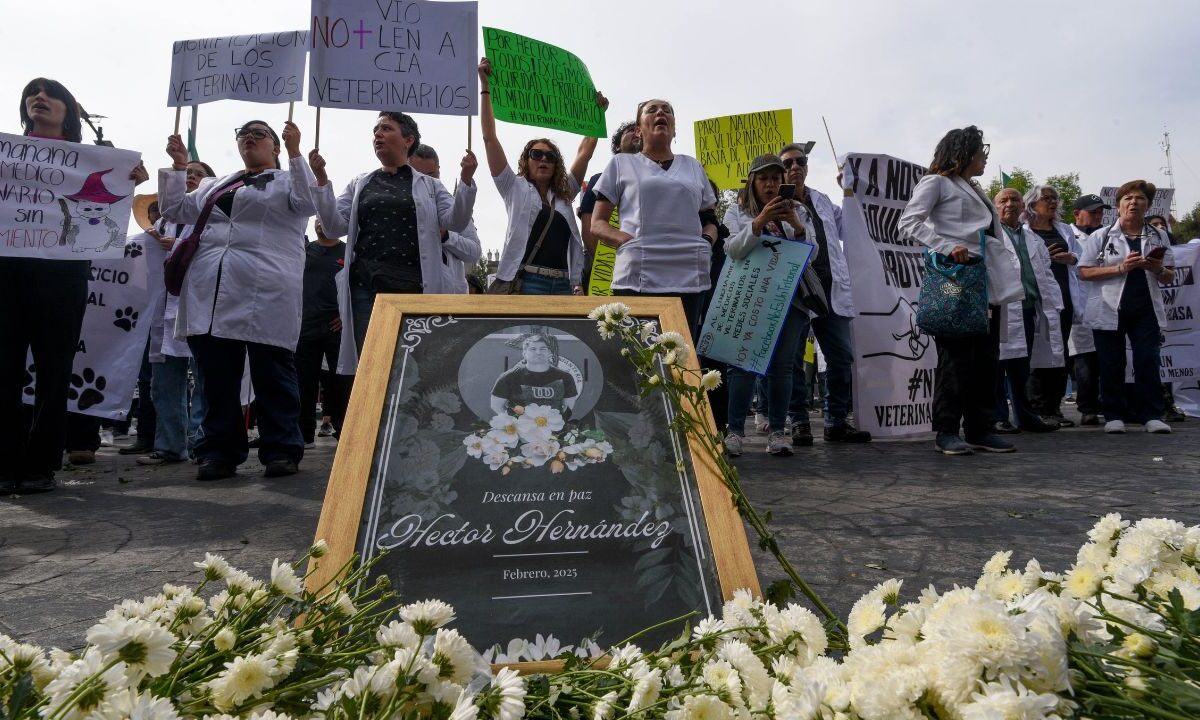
<point>798,162</point>
<point>256,133</point>
<point>547,155</point>
<point>987,149</point>
<point>1048,198</point>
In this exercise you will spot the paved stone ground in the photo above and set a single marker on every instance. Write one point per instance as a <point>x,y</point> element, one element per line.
<point>847,516</point>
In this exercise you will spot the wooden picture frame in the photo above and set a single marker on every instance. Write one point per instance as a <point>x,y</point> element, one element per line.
<point>399,324</point>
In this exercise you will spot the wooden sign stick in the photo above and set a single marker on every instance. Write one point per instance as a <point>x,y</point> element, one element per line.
<point>468,132</point>
<point>291,108</point>
<point>317,136</point>
<point>830,137</point>
<point>178,112</point>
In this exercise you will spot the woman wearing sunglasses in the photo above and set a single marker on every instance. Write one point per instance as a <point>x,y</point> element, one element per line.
<point>543,252</point>
<point>242,294</point>
<point>949,214</point>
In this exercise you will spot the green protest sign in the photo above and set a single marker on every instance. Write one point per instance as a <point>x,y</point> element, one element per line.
<point>537,84</point>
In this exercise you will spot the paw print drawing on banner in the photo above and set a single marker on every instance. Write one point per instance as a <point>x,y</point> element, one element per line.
<point>30,381</point>
<point>133,249</point>
<point>127,318</point>
<point>87,388</point>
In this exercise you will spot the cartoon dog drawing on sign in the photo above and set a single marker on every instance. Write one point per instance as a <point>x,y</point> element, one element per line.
<point>86,224</point>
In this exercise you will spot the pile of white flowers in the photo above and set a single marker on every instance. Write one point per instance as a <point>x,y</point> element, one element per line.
<point>1115,636</point>
<point>532,436</point>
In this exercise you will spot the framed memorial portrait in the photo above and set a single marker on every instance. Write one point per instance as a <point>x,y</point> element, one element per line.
<point>499,453</point>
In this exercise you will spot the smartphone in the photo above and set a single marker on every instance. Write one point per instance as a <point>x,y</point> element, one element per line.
<point>788,192</point>
<point>1057,248</point>
<point>1157,252</point>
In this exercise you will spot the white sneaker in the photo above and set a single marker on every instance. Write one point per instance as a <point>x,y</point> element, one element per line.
<point>733,445</point>
<point>1117,427</point>
<point>106,437</point>
<point>1158,427</point>
<point>779,443</point>
<point>760,422</point>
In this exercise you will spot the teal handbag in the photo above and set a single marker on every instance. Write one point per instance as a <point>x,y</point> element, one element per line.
<point>953,299</point>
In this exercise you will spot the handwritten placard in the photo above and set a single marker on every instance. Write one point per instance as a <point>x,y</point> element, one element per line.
<point>264,68</point>
<point>527,482</point>
<point>726,145</point>
<point>417,57</point>
<point>751,302</point>
<point>63,201</point>
<point>1160,204</point>
<point>535,83</point>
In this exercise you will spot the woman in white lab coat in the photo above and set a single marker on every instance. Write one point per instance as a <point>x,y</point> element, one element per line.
<point>946,213</point>
<point>242,294</point>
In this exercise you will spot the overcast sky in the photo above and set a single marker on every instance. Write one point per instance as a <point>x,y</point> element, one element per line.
<point>1056,86</point>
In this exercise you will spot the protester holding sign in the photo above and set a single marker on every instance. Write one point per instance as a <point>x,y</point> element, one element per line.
<point>1125,262</point>
<point>832,328</point>
<point>44,303</point>
<point>241,294</point>
<point>396,221</point>
<point>460,250</point>
<point>762,214</point>
<point>543,253</point>
<point>668,224</point>
<point>949,214</point>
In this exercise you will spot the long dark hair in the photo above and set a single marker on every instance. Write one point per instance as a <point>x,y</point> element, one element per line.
<point>558,183</point>
<point>954,151</point>
<point>72,127</point>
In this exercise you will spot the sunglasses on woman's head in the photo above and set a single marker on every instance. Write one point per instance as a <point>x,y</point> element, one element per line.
<point>256,133</point>
<point>547,155</point>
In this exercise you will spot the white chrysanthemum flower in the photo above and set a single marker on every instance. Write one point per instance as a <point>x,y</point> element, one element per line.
<point>720,676</point>
<point>886,681</point>
<point>539,422</point>
<point>464,709</point>
<point>509,701</point>
<point>755,677</point>
<point>603,708</point>
<point>397,634</point>
<point>214,566</point>
<point>801,631</point>
<point>866,616</point>
<point>795,703</point>
<point>1083,581</point>
<point>624,656</point>
<point>284,580</point>
<point>701,707</point>
<point>129,704</point>
<point>647,330</point>
<point>225,639</point>
<point>647,684</point>
<point>998,563</point>
<point>24,658</point>
<point>711,380</point>
<point>1007,699</point>
<point>81,687</point>
<point>243,678</point>
<point>240,582</point>
<point>1107,528</point>
<point>427,615</point>
<point>670,340</point>
<point>709,627</point>
<point>319,549</point>
<point>142,645</point>
<point>453,655</point>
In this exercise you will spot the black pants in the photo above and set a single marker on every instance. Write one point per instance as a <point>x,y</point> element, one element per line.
<point>692,305</point>
<point>144,405</point>
<point>1085,371</point>
<point>309,353</point>
<point>273,372</point>
<point>43,313</point>
<point>964,382</point>
<point>1146,402</point>
<point>1016,371</point>
<point>1048,386</point>
<point>83,432</point>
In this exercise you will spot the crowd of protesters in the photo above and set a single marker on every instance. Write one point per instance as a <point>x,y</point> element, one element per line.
<point>248,290</point>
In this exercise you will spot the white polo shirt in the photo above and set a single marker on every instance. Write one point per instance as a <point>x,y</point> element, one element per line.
<point>661,210</point>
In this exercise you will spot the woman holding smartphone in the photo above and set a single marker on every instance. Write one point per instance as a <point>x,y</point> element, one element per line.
<point>1125,263</point>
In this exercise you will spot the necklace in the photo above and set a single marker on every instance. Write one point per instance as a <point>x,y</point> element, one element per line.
<point>664,164</point>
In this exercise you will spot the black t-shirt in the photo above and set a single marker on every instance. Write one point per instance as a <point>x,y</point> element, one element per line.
<point>1135,297</point>
<point>587,201</point>
<point>820,263</point>
<point>387,221</point>
<point>224,203</point>
<point>321,264</point>
<point>553,252</point>
<point>1062,275</point>
<point>522,386</point>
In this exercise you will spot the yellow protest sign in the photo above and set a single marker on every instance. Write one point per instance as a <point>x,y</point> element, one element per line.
<point>726,145</point>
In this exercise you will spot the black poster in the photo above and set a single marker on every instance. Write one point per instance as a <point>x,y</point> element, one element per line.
<point>520,477</point>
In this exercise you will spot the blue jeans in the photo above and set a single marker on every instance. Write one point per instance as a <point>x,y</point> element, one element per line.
<point>1146,403</point>
<point>541,285</point>
<point>180,408</point>
<point>833,336</point>
<point>778,385</point>
<point>273,372</point>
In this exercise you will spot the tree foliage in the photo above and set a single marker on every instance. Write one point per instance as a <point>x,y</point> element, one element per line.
<point>1067,186</point>
<point>1188,226</point>
<point>1019,179</point>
